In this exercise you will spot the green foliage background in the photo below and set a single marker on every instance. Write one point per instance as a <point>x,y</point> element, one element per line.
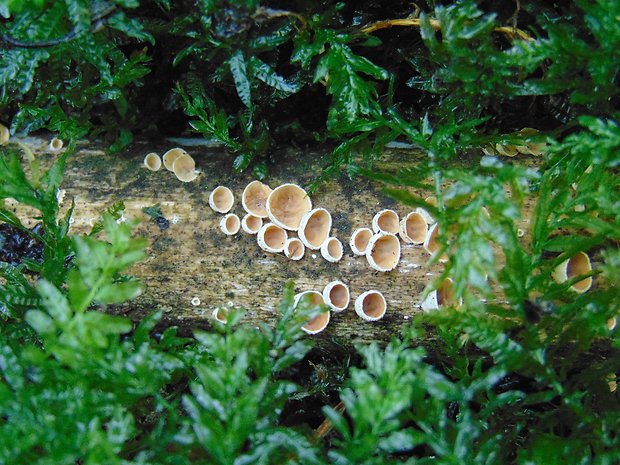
<point>522,381</point>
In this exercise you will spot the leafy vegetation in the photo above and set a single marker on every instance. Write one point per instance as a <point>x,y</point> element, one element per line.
<point>522,372</point>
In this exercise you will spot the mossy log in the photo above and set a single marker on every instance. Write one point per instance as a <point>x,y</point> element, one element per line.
<point>192,258</point>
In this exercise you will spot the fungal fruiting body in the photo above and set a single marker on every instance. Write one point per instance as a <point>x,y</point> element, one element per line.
<point>254,198</point>
<point>220,315</point>
<point>371,305</point>
<point>230,224</point>
<point>286,206</point>
<point>221,199</point>
<point>5,134</point>
<point>336,295</point>
<point>271,238</point>
<point>431,243</point>
<point>251,224</point>
<point>577,265</point>
<point>294,248</point>
<point>413,228</point>
<point>314,228</point>
<point>184,168</point>
<point>152,161</point>
<point>170,156</point>
<point>383,251</point>
<point>359,240</point>
<point>332,250</point>
<point>442,296</point>
<point>319,322</point>
<point>55,145</point>
<point>385,221</point>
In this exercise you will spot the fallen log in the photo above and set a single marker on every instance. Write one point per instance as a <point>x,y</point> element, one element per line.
<point>192,260</point>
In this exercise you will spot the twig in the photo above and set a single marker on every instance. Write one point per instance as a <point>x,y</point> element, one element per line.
<point>325,427</point>
<point>512,33</point>
<point>270,13</point>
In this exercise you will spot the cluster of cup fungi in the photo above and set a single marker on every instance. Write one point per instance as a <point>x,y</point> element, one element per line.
<point>176,160</point>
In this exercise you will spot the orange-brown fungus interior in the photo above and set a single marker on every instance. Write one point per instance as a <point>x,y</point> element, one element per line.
<point>339,295</point>
<point>444,293</point>
<point>385,251</point>
<point>317,228</point>
<point>222,198</point>
<point>362,239</point>
<point>295,249</point>
<point>334,248</point>
<point>416,227</point>
<point>232,223</point>
<point>578,265</point>
<point>388,221</point>
<point>289,204</point>
<point>254,223</point>
<point>256,198</point>
<point>373,305</point>
<point>318,322</point>
<point>275,237</point>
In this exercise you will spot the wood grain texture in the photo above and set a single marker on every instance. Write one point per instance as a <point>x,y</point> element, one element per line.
<point>193,258</point>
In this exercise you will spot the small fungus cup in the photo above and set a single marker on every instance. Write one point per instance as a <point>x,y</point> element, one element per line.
<point>294,248</point>
<point>221,199</point>
<point>371,305</point>
<point>332,250</point>
<point>383,252</point>
<point>286,206</point>
<point>413,228</point>
<point>385,221</point>
<point>271,238</point>
<point>319,322</point>
<point>230,224</point>
<point>184,168</point>
<point>336,295</point>
<point>170,156</point>
<point>251,224</point>
<point>55,145</point>
<point>577,265</point>
<point>254,198</point>
<point>152,162</point>
<point>314,228</point>
<point>442,296</point>
<point>5,135</point>
<point>220,315</point>
<point>432,244</point>
<point>359,240</point>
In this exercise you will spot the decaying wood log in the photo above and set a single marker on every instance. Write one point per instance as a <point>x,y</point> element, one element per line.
<point>193,258</point>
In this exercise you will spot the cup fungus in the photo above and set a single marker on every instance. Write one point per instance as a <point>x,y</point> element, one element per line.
<point>5,134</point>
<point>413,228</point>
<point>287,204</point>
<point>294,248</point>
<point>170,156</point>
<point>184,168</point>
<point>359,240</point>
<point>332,250</point>
<point>254,198</point>
<point>230,224</point>
<point>220,315</point>
<point>383,251</point>
<point>221,199</point>
<point>371,305</point>
<point>251,224</point>
<point>319,322</point>
<point>385,221</point>
<point>336,295</point>
<point>442,296</point>
<point>425,213</point>
<point>431,243</point>
<point>152,161</point>
<point>272,238</point>
<point>314,228</point>
<point>55,145</point>
<point>577,265</point>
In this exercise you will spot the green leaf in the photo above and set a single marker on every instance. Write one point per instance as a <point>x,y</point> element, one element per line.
<point>240,75</point>
<point>118,292</point>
